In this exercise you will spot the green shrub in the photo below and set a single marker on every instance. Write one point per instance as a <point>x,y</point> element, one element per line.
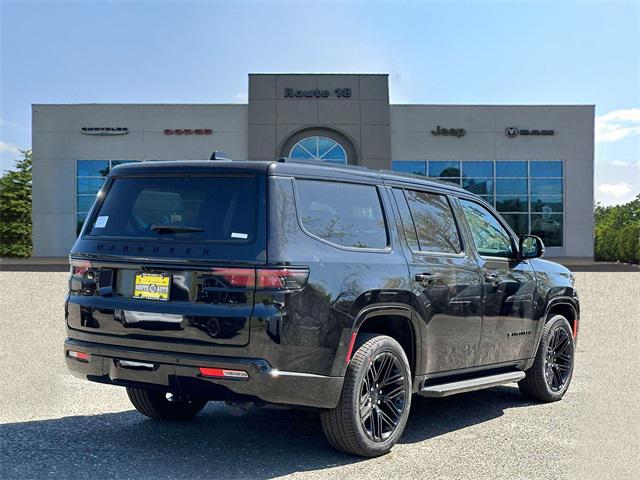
<point>617,232</point>
<point>15,209</point>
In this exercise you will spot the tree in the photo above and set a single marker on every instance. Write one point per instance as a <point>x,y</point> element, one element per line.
<point>15,209</point>
<point>617,232</point>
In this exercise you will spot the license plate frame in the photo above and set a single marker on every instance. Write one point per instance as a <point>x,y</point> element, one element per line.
<point>152,286</point>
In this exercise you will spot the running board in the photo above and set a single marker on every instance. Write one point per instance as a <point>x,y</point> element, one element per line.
<point>445,389</point>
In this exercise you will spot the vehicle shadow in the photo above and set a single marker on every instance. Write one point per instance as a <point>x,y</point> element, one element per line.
<point>260,444</point>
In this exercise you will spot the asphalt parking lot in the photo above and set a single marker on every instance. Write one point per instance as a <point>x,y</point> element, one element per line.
<point>55,426</point>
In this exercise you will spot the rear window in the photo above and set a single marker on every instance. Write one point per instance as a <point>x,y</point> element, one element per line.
<point>179,208</point>
<point>345,214</point>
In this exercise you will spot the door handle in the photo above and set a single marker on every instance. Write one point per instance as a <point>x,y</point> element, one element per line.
<point>492,278</point>
<point>426,279</point>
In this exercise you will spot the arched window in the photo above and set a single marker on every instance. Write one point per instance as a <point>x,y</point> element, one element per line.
<point>319,148</point>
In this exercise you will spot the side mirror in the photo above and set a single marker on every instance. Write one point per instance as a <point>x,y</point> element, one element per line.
<point>530,247</point>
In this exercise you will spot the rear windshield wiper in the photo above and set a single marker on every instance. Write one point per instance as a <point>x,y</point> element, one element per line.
<point>174,229</point>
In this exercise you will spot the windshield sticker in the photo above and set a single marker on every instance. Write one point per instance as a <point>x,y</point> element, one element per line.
<point>243,236</point>
<point>101,221</point>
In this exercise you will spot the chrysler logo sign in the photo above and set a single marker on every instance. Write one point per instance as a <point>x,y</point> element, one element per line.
<point>513,132</point>
<point>105,130</point>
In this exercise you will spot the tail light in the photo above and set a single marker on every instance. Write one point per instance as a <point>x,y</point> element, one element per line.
<point>285,278</point>
<point>79,268</point>
<point>282,278</point>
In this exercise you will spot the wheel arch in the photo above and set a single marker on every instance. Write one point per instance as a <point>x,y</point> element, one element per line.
<point>566,308</point>
<point>395,321</point>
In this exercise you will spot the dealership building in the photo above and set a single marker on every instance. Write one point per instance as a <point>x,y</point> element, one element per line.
<point>534,163</point>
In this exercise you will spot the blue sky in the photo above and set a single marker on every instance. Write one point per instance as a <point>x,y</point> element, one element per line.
<point>451,52</point>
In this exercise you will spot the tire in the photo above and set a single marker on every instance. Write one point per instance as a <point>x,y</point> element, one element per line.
<point>385,414</point>
<point>164,406</point>
<point>549,377</point>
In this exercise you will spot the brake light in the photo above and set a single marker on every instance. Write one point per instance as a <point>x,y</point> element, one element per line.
<point>282,278</point>
<point>223,373</point>
<point>79,267</point>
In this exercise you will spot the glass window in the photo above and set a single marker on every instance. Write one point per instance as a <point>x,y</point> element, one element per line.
<point>506,186</point>
<point>479,186</point>
<point>546,169</point>
<point>511,169</point>
<point>407,221</point>
<point>80,218</point>
<point>435,225</point>
<point>439,168</point>
<point>92,168</point>
<point>179,208</point>
<point>546,204</point>
<point>409,166</point>
<point>548,227</point>
<point>454,181</point>
<point>546,186</point>
<point>490,237</point>
<point>319,148</point>
<point>89,185</point>
<point>512,203</point>
<point>342,213</point>
<point>477,169</point>
<point>85,202</point>
<point>519,222</point>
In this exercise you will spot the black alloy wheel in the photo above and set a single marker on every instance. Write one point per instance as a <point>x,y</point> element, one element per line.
<point>550,375</point>
<point>559,359</point>
<point>382,397</point>
<point>376,398</point>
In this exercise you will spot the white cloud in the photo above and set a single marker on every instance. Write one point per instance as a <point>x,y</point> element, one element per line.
<point>242,96</point>
<point>617,190</point>
<point>9,148</point>
<point>616,125</point>
<point>624,163</point>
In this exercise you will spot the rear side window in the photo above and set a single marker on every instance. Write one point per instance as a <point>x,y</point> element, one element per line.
<point>434,222</point>
<point>179,208</point>
<point>345,214</point>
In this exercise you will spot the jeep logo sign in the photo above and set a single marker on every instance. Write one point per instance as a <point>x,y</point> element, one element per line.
<point>513,132</point>
<point>451,132</point>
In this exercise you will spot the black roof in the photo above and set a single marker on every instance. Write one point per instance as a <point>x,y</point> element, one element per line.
<point>299,169</point>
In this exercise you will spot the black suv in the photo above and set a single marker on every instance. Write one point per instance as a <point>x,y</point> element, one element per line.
<point>339,289</point>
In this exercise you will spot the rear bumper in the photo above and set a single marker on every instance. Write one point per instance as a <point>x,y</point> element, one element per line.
<point>179,372</point>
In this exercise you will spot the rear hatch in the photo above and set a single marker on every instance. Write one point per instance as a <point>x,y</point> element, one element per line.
<point>169,254</point>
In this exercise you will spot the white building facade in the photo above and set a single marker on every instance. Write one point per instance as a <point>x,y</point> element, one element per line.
<point>534,163</point>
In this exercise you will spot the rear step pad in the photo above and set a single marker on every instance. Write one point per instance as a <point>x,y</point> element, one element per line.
<point>470,385</point>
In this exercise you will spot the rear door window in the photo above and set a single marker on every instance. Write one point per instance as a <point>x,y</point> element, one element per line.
<point>435,225</point>
<point>344,214</point>
<point>179,208</point>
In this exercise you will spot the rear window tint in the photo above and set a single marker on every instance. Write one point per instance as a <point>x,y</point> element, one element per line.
<point>345,214</point>
<point>179,208</point>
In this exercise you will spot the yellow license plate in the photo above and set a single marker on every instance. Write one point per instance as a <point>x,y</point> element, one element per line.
<point>152,286</point>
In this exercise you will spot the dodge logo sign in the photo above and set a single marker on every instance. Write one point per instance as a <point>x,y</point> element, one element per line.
<point>513,132</point>
<point>188,131</point>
